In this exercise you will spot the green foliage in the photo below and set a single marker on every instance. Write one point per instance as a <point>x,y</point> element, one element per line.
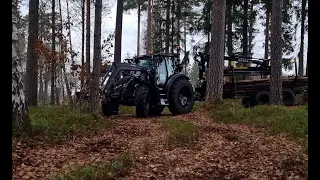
<point>118,167</point>
<point>58,123</point>
<point>133,4</point>
<point>184,14</point>
<point>180,133</point>
<point>277,119</point>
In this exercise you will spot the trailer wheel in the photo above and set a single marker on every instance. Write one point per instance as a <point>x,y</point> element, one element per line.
<point>262,97</point>
<point>109,108</point>
<point>156,110</point>
<point>142,96</point>
<point>181,97</point>
<point>288,97</point>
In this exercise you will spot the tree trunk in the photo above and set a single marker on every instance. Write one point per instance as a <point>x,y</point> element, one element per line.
<point>118,34</point>
<point>96,58</point>
<point>178,17</point>
<point>40,99</point>
<point>46,80</point>
<point>184,34</point>
<point>149,28</point>
<point>245,29</point>
<point>58,93</point>
<point>185,43</point>
<point>31,83</point>
<point>62,65</point>
<point>276,53</point>
<point>67,83</point>
<point>82,44</point>
<point>307,61</point>
<point>59,69</point>
<point>20,116</point>
<point>251,21</point>
<point>306,92</point>
<point>215,78</point>
<point>72,53</point>
<point>61,84</point>
<point>88,43</point>
<point>138,38</point>
<point>172,27</point>
<point>301,53</point>
<point>229,31</point>
<point>266,41</point>
<point>167,26</point>
<point>70,38</point>
<point>53,53</point>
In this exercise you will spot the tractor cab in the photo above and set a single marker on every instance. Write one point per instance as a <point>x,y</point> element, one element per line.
<point>163,65</point>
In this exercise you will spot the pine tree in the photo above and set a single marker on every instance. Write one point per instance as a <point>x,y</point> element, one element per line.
<point>214,91</point>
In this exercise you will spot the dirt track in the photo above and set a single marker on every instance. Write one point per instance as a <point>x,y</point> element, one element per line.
<point>222,152</point>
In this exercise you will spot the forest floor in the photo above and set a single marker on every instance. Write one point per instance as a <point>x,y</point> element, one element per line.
<point>190,146</point>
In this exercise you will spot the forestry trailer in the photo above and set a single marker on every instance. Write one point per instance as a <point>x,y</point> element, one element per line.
<point>252,92</point>
<point>148,82</point>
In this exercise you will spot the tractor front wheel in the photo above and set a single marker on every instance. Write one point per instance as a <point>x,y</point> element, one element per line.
<point>109,108</point>
<point>142,96</point>
<point>181,97</point>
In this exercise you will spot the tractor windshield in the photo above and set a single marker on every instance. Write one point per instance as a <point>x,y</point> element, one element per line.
<point>145,62</point>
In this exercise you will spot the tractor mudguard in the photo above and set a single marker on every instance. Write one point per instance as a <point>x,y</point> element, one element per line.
<point>171,80</point>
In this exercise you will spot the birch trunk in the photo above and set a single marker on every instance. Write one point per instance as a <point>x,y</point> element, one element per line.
<point>20,117</point>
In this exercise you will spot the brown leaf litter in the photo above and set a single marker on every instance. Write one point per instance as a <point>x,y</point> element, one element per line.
<point>223,151</point>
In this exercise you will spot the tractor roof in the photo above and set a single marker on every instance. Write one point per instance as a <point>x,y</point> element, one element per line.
<point>160,54</point>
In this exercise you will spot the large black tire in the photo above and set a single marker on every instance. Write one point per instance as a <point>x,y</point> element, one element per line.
<point>181,97</point>
<point>156,110</point>
<point>288,97</point>
<point>261,97</point>
<point>109,108</point>
<point>142,96</point>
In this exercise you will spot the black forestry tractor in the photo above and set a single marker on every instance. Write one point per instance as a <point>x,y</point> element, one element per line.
<point>148,82</point>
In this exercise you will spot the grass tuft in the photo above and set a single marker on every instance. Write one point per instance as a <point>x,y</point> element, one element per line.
<point>277,119</point>
<point>54,124</point>
<point>180,133</point>
<point>118,167</point>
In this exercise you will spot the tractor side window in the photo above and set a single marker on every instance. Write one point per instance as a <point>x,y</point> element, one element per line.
<point>162,72</point>
<point>170,65</point>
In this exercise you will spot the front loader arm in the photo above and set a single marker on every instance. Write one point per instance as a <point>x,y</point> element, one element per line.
<point>114,72</point>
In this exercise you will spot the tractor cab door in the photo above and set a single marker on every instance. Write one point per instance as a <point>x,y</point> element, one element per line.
<point>171,64</point>
<point>165,69</point>
<point>161,74</point>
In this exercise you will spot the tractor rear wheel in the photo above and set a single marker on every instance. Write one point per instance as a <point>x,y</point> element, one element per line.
<point>142,96</point>
<point>181,97</point>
